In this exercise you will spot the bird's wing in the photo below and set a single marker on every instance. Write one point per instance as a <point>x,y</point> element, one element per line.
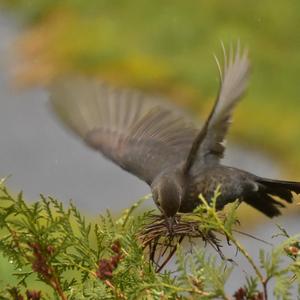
<point>140,135</point>
<point>208,147</point>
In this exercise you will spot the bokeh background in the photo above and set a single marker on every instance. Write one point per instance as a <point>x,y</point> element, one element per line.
<point>157,46</point>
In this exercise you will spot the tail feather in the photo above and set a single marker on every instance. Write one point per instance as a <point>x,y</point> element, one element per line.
<point>263,200</point>
<point>265,204</point>
<point>280,184</point>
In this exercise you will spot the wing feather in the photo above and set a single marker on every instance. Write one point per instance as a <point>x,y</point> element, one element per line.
<point>208,147</point>
<point>140,134</point>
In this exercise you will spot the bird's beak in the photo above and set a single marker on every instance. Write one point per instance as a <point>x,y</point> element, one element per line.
<point>169,223</point>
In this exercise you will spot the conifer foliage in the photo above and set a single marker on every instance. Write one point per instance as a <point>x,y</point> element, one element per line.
<point>73,258</point>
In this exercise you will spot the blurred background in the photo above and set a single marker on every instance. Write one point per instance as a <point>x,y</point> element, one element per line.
<point>161,47</point>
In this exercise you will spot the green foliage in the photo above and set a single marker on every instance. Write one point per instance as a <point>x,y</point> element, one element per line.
<point>73,258</point>
<point>251,287</point>
<point>203,272</point>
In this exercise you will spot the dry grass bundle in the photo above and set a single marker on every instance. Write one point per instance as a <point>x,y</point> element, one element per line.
<point>161,242</point>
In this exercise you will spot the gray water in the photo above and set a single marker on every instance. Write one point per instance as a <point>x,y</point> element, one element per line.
<point>43,158</point>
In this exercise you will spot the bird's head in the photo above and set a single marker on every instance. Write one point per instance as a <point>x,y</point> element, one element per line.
<point>167,193</point>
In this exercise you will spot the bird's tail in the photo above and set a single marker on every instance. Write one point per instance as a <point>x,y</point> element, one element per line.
<point>268,188</point>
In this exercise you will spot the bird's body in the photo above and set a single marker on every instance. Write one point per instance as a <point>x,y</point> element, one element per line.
<point>236,184</point>
<point>164,148</point>
<point>233,183</point>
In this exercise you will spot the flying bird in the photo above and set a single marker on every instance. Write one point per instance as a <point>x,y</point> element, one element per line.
<point>163,147</point>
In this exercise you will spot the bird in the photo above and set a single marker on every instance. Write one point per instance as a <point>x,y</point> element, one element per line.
<point>164,147</point>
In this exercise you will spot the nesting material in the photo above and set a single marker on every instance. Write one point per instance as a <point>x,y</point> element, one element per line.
<point>160,241</point>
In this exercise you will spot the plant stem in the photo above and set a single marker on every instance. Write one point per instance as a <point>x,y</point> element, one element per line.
<point>247,256</point>
<point>56,286</point>
<point>239,246</point>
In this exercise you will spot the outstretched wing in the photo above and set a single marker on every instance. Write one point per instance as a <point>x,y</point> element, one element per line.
<point>139,134</point>
<point>208,147</point>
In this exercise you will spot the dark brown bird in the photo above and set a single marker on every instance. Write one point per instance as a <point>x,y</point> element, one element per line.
<point>163,148</point>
